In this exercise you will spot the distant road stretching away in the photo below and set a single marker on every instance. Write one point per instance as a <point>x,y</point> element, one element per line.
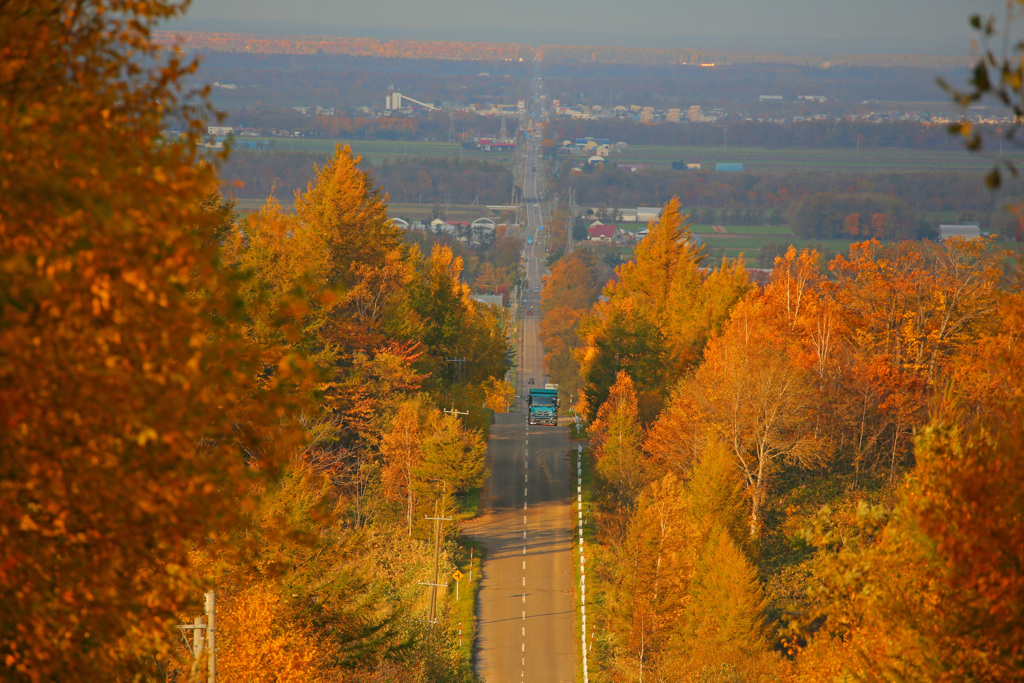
<point>526,630</point>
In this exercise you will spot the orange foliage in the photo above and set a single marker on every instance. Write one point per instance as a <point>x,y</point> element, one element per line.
<point>257,643</point>
<point>128,407</point>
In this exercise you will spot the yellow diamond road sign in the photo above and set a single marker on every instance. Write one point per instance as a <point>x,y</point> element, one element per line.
<point>457,575</point>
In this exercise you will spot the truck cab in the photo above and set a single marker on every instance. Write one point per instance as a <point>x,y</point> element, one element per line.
<point>543,406</point>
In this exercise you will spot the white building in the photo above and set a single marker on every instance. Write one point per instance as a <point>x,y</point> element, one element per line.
<point>968,231</point>
<point>645,214</point>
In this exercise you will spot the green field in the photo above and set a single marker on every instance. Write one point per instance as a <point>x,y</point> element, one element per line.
<point>739,239</point>
<point>875,160</point>
<point>743,230</point>
<point>377,151</point>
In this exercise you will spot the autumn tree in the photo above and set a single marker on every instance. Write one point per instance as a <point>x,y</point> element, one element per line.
<point>939,595</point>
<point>500,395</point>
<point>619,337</point>
<point>910,309</point>
<point>130,416</point>
<point>296,559</point>
<point>569,291</point>
<point>678,437</point>
<point>665,305</point>
<point>667,253</point>
<point>646,579</point>
<point>455,326</point>
<point>616,437</point>
<point>716,491</point>
<point>756,401</point>
<point>724,627</point>
<point>402,452</point>
<point>629,330</point>
<point>256,642</point>
<point>453,459</point>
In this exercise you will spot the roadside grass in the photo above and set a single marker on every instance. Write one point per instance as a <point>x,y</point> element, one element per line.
<point>470,505</point>
<point>462,611</point>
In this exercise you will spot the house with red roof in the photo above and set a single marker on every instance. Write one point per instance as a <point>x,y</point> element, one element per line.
<point>601,232</point>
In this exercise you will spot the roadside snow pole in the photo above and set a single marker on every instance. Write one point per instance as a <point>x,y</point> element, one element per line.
<point>583,561</point>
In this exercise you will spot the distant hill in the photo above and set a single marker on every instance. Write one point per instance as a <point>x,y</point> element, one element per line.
<point>548,54</point>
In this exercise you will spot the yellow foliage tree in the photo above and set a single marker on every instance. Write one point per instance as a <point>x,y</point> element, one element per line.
<point>129,416</point>
<point>500,395</point>
<point>648,576</point>
<point>258,643</point>
<point>934,591</point>
<point>402,451</point>
<point>616,437</point>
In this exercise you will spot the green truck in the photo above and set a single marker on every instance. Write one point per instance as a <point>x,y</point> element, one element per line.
<point>543,405</point>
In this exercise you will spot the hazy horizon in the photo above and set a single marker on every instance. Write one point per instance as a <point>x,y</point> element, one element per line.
<point>822,26</point>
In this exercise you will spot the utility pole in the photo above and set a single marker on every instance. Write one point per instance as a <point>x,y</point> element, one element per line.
<point>432,615</point>
<point>211,637</point>
<point>198,628</point>
<point>457,378</point>
<point>204,641</point>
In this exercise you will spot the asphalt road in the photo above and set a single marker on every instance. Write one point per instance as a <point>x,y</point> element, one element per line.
<point>526,628</point>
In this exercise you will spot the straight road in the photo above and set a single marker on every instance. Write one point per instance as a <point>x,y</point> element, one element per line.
<point>526,609</point>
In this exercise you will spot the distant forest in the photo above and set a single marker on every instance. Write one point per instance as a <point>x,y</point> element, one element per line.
<point>546,54</point>
<point>816,205</point>
<point>742,84</point>
<point>844,134</point>
<point>416,180</point>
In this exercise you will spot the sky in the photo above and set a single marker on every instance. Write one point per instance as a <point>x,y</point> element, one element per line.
<point>883,26</point>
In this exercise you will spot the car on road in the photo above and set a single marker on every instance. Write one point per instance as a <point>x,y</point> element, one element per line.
<point>530,381</point>
<point>536,290</point>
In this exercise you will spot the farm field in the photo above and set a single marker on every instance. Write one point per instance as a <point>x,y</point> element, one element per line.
<point>731,232</point>
<point>378,151</point>
<point>866,160</point>
<point>739,239</point>
<point>698,229</point>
